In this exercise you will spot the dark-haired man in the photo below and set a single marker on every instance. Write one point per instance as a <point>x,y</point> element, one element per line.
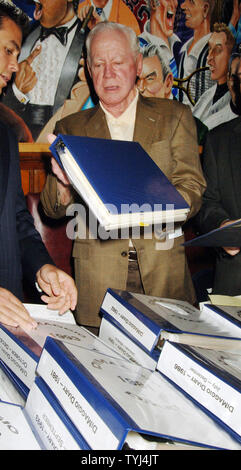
<point>49,63</point>
<point>21,249</point>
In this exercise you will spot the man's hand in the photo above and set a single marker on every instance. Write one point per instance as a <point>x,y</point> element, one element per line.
<point>59,287</point>
<point>231,250</point>
<point>13,312</point>
<point>26,79</point>
<point>63,184</point>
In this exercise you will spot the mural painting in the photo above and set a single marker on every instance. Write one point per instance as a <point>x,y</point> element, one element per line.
<point>186,45</point>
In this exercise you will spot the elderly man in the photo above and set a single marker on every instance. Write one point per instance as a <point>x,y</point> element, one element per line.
<point>166,130</point>
<point>22,251</point>
<point>48,64</point>
<point>221,200</point>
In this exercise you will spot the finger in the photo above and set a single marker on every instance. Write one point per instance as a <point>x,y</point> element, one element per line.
<point>60,303</point>
<point>51,138</point>
<point>33,55</point>
<point>10,315</point>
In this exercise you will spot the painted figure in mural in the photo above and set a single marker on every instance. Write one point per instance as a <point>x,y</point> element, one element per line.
<point>159,30</point>
<point>213,107</point>
<point>166,130</point>
<point>108,10</point>
<point>79,96</point>
<point>156,78</point>
<point>49,63</point>
<point>22,252</point>
<point>221,201</point>
<point>235,21</point>
<point>193,53</point>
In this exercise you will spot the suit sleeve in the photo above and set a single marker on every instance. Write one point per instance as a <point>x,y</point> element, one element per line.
<point>187,175</point>
<point>33,252</point>
<point>212,212</point>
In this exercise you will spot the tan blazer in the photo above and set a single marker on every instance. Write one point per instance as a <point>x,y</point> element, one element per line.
<point>167,131</point>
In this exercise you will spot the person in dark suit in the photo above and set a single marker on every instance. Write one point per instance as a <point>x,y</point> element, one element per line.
<point>166,130</point>
<point>221,200</point>
<point>22,251</point>
<point>48,63</point>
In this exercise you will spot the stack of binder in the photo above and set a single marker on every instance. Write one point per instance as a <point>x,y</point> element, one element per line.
<point>87,395</point>
<point>136,325</point>
<point>114,403</point>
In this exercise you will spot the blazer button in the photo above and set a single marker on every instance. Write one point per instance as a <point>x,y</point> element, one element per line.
<point>124,253</point>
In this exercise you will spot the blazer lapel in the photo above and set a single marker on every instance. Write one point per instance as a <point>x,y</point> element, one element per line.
<point>97,125</point>
<point>144,128</point>
<point>4,169</point>
<point>235,159</point>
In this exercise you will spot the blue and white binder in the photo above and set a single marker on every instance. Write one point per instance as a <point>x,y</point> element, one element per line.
<point>119,181</point>
<point>125,346</point>
<point>16,432</point>
<point>17,383</point>
<point>49,420</point>
<point>148,320</point>
<point>107,398</point>
<point>20,350</point>
<point>212,379</point>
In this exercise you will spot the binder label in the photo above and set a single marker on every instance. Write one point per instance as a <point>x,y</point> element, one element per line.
<point>21,363</point>
<point>86,419</point>
<point>129,322</point>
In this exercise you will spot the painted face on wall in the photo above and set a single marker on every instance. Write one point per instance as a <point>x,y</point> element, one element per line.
<point>53,12</point>
<point>150,82</point>
<point>165,11</point>
<point>234,82</point>
<point>218,57</point>
<point>10,45</point>
<point>195,12</point>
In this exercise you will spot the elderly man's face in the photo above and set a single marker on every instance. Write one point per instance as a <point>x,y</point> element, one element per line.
<point>113,69</point>
<point>150,82</point>
<point>218,57</point>
<point>52,12</point>
<point>165,11</point>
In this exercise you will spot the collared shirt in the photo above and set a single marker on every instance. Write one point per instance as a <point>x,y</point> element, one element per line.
<point>122,127</point>
<point>47,66</point>
<point>105,11</point>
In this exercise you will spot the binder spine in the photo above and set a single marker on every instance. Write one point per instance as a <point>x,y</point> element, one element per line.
<point>207,390</point>
<point>91,412</point>
<point>17,357</point>
<point>50,422</point>
<point>131,321</point>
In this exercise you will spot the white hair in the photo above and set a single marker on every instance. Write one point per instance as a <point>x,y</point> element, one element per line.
<point>104,26</point>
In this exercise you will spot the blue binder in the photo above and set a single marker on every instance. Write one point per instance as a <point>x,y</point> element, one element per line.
<point>124,180</point>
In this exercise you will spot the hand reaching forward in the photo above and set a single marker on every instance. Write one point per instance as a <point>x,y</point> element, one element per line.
<point>13,312</point>
<point>59,287</point>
